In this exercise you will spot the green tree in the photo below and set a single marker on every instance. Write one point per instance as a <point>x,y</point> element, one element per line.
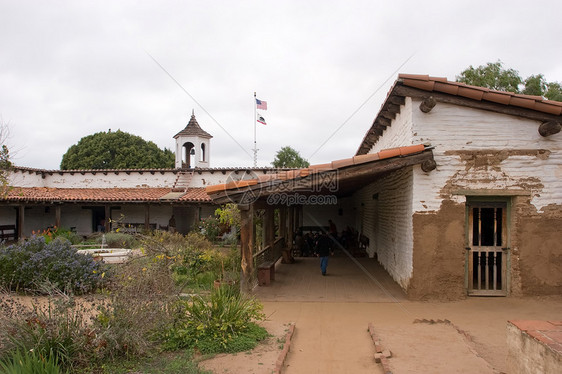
<point>5,164</point>
<point>496,77</point>
<point>116,150</point>
<point>554,91</point>
<point>287,157</point>
<point>535,85</point>
<point>493,76</point>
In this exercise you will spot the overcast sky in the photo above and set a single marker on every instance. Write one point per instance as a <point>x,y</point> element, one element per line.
<point>73,68</point>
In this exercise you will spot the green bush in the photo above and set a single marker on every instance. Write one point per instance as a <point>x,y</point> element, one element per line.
<point>118,240</point>
<point>52,233</point>
<point>195,263</point>
<point>220,322</point>
<point>30,362</point>
<point>211,228</point>
<point>27,264</point>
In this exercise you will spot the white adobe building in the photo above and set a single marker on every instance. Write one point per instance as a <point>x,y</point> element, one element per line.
<point>140,198</point>
<point>456,190</point>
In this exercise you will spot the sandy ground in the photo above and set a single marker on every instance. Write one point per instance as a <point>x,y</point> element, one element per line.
<point>332,315</point>
<point>467,336</point>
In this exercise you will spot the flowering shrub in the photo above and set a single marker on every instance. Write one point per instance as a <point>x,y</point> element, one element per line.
<point>210,227</point>
<point>26,265</point>
<point>55,232</point>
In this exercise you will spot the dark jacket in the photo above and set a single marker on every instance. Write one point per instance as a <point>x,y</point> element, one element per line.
<point>323,245</point>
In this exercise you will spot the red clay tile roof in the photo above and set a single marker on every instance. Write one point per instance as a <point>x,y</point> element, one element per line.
<point>193,129</point>
<point>100,194</point>
<point>527,106</point>
<point>439,84</point>
<point>334,165</point>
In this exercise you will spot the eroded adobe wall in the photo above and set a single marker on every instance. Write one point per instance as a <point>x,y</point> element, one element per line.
<point>536,255</point>
<point>439,254</point>
<point>483,154</point>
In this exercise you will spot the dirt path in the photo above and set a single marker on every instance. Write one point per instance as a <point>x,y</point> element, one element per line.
<point>332,315</point>
<point>468,336</point>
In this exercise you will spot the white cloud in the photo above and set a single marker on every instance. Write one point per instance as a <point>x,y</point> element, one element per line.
<point>69,69</point>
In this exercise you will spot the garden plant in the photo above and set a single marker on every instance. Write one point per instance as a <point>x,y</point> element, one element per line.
<point>90,317</point>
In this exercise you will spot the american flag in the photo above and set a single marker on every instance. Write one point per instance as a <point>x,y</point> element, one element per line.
<point>261,104</point>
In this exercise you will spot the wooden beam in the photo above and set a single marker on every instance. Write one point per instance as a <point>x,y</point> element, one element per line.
<point>269,227</point>
<point>382,166</point>
<point>384,122</point>
<point>147,217</point>
<point>57,215</point>
<point>353,171</point>
<point>21,220</point>
<point>107,218</point>
<point>393,108</point>
<point>484,105</point>
<point>397,100</point>
<point>283,222</point>
<point>291,229</point>
<point>387,114</point>
<point>549,128</point>
<point>428,165</point>
<point>427,104</point>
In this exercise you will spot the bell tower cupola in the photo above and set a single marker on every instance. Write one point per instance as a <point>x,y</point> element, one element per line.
<point>193,146</point>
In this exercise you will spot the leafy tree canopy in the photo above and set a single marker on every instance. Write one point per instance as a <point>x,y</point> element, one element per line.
<point>116,150</point>
<point>287,157</point>
<point>494,76</point>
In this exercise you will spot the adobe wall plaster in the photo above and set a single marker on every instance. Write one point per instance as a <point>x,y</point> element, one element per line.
<point>477,151</point>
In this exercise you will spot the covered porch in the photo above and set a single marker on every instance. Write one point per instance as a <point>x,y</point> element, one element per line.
<point>286,201</point>
<point>348,279</point>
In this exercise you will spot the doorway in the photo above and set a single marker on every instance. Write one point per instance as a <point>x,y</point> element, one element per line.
<point>487,248</point>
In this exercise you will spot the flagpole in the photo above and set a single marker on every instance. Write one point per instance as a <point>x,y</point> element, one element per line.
<point>255,143</point>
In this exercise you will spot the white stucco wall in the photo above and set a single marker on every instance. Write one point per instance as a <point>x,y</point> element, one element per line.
<point>122,179</point>
<point>400,133</point>
<point>386,218</point>
<point>450,128</point>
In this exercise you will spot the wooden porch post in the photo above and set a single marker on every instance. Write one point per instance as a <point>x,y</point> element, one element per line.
<point>283,223</point>
<point>291,231</point>
<point>246,246</point>
<point>107,218</point>
<point>147,217</point>
<point>298,212</point>
<point>57,215</point>
<point>269,226</point>
<point>21,220</point>
<point>288,245</point>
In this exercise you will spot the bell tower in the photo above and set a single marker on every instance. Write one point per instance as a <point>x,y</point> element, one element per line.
<point>193,146</point>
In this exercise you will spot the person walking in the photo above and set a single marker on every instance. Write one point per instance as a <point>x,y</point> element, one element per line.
<point>323,249</point>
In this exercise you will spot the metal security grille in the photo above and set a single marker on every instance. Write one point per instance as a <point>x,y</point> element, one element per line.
<point>487,249</point>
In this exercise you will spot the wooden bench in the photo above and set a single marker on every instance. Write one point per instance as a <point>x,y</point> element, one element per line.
<point>266,273</point>
<point>7,232</point>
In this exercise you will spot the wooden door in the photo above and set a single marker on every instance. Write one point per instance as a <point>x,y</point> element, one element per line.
<point>487,249</point>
